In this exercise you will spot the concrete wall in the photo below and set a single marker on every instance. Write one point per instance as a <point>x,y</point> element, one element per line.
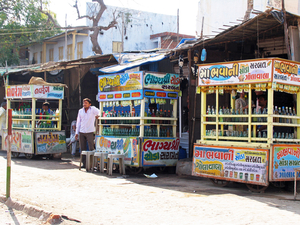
<point>60,43</point>
<point>137,30</point>
<point>138,26</point>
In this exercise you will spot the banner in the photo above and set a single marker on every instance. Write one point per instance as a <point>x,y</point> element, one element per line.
<point>235,164</point>
<point>286,72</point>
<point>160,94</point>
<point>165,82</point>
<point>285,159</point>
<point>19,91</point>
<point>120,96</point>
<point>50,142</point>
<point>48,92</point>
<point>35,91</point>
<point>21,141</point>
<point>118,145</point>
<point>120,82</point>
<point>241,72</point>
<point>160,151</point>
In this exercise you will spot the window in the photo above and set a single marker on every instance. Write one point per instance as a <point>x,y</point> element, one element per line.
<point>51,54</point>
<point>117,46</point>
<point>79,50</point>
<point>60,53</point>
<point>41,57</point>
<point>69,52</point>
<point>35,56</point>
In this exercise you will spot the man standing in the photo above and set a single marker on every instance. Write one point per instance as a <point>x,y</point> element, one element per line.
<point>85,126</point>
<point>2,119</point>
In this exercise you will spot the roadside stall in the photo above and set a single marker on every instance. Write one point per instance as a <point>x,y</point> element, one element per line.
<point>139,118</point>
<point>35,131</point>
<point>256,142</point>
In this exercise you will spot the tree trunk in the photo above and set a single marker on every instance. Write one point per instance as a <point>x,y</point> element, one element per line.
<point>94,39</point>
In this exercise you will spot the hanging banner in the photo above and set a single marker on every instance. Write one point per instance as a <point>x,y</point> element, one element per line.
<point>118,145</point>
<point>234,164</point>
<point>120,82</point>
<point>22,141</point>
<point>34,91</point>
<point>160,151</point>
<point>286,72</point>
<point>160,94</point>
<point>19,91</point>
<point>50,142</point>
<point>241,72</point>
<point>120,95</point>
<point>285,159</point>
<point>165,82</point>
<point>48,92</point>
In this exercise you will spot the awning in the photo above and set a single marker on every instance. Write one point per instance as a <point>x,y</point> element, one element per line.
<point>129,61</point>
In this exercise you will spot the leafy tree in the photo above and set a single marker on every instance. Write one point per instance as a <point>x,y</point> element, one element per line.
<point>21,22</point>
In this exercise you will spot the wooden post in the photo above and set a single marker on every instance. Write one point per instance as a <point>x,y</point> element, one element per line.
<point>8,169</point>
<point>79,85</point>
<point>191,118</point>
<point>286,36</point>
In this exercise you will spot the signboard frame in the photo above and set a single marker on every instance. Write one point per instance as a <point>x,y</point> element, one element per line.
<point>234,158</point>
<point>49,145</point>
<point>284,152</point>
<point>160,146</point>
<point>132,145</point>
<point>22,141</point>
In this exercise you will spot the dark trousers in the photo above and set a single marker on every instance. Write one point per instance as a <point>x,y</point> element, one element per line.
<point>83,139</point>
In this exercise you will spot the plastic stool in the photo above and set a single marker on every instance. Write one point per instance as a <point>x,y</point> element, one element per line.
<point>297,173</point>
<point>89,159</point>
<point>110,163</point>
<point>102,156</point>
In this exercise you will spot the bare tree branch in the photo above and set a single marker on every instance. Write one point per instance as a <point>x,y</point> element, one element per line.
<point>78,13</point>
<point>95,20</point>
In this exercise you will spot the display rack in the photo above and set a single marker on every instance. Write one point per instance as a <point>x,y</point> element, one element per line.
<point>259,143</point>
<point>35,132</point>
<point>138,118</point>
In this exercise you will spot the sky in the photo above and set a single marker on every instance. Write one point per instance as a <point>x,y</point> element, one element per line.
<point>187,10</point>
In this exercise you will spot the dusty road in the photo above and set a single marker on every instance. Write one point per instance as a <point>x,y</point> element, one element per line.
<point>94,198</point>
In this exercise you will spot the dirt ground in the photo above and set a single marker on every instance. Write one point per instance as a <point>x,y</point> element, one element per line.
<point>94,198</point>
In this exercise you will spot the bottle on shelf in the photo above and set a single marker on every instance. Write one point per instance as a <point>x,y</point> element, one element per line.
<point>294,114</point>
<point>168,132</point>
<point>149,115</point>
<point>153,115</point>
<point>280,113</point>
<point>276,112</point>
<point>220,114</point>
<point>284,114</point>
<point>161,115</point>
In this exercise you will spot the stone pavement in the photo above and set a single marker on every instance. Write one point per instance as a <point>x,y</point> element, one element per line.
<point>58,186</point>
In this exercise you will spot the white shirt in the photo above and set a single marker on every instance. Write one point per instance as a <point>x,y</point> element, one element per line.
<point>86,120</point>
<point>2,118</point>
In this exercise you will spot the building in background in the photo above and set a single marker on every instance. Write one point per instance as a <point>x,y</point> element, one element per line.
<point>219,14</point>
<point>138,30</point>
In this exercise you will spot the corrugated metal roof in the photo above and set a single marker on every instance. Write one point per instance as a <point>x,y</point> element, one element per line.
<point>50,66</point>
<point>129,61</point>
<point>265,23</point>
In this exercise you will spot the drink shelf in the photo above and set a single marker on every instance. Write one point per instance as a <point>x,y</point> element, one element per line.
<point>286,124</point>
<point>275,140</point>
<point>233,123</point>
<point>209,123</point>
<point>137,118</point>
<point>233,138</point>
<point>285,116</point>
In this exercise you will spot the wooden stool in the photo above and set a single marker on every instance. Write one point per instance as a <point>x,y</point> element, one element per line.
<point>110,163</point>
<point>297,170</point>
<point>102,156</point>
<point>88,161</point>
